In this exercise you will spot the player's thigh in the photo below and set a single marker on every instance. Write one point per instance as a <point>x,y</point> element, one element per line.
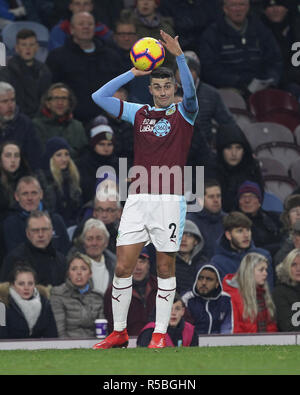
<point>127,256</point>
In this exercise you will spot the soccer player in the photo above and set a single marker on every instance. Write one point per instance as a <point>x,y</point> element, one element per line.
<point>155,212</point>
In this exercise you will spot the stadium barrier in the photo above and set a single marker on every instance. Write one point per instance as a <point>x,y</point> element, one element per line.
<point>271,339</point>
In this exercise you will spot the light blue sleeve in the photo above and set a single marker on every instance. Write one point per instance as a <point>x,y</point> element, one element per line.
<point>189,105</point>
<point>103,97</point>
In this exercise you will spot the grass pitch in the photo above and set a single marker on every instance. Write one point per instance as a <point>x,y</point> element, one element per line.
<point>254,360</point>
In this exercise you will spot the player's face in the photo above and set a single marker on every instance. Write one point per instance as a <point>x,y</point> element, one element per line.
<point>249,203</point>
<point>236,10</point>
<point>7,105</point>
<point>212,199</point>
<point>177,313</point>
<point>239,238</point>
<point>10,158</point>
<point>163,91</point>
<point>27,48</point>
<point>207,282</point>
<point>125,36</point>
<point>94,242</point>
<point>24,285</point>
<point>233,154</point>
<point>59,101</point>
<point>261,273</point>
<point>79,273</point>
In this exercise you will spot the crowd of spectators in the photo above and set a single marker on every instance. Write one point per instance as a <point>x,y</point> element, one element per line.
<point>238,266</point>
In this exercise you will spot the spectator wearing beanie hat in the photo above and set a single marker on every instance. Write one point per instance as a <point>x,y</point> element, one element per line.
<point>60,180</point>
<point>100,152</point>
<point>283,19</point>
<point>265,224</point>
<point>291,213</point>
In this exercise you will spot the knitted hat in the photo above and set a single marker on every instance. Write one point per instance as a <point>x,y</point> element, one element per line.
<point>100,130</point>
<point>250,187</point>
<point>270,3</point>
<point>144,253</point>
<point>55,144</point>
<point>291,202</point>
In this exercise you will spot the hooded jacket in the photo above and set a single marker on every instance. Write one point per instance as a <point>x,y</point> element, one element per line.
<point>211,313</point>
<point>186,271</point>
<point>231,177</point>
<point>16,325</point>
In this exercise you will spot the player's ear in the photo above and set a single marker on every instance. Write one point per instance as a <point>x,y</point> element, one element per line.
<point>150,89</point>
<point>175,87</point>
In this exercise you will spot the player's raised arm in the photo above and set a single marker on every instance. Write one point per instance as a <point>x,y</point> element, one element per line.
<point>190,101</point>
<point>103,97</point>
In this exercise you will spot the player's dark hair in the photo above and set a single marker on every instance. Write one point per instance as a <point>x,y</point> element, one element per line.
<point>162,72</point>
<point>25,33</point>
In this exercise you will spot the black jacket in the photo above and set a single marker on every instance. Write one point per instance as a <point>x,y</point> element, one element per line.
<point>84,73</point>
<point>30,82</point>
<point>49,264</point>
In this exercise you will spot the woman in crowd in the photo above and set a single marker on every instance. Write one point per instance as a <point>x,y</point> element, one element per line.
<point>76,304</point>
<point>286,293</point>
<point>13,166</point>
<point>61,181</point>
<point>28,312</point>
<point>253,307</point>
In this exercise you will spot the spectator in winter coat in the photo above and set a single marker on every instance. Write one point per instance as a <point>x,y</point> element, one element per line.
<point>30,77</point>
<point>234,164</point>
<point>253,307</point>
<point>28,196</point>
<point>55,118</point>
<point>28,313</point>
<point>207,304</point>
<point>143,297</point>
<point>62,29</point>
<point>76,304</point>
<point>265,224</point>
<point>61,180</point>
<point>286,293</point>
<point>210,219</point>
<point>290,214</point>
<point>93,242</point>
<point>38,252</point>
<point>84,64</point>
<point>179,332</point>
<point>16,126</point>
<point>100,152</point>
<point>189,257</point>
<point>238,51</point>
<point>212,109</point>
<point>235,243</point>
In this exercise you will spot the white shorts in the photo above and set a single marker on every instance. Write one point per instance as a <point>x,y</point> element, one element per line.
<point>149,218</point>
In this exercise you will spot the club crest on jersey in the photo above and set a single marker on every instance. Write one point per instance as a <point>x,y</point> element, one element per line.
<point>162,128</point>
<point>171,110</point>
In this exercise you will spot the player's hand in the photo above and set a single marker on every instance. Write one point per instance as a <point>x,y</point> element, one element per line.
<point>140,73</point>
<point>170,43</point>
